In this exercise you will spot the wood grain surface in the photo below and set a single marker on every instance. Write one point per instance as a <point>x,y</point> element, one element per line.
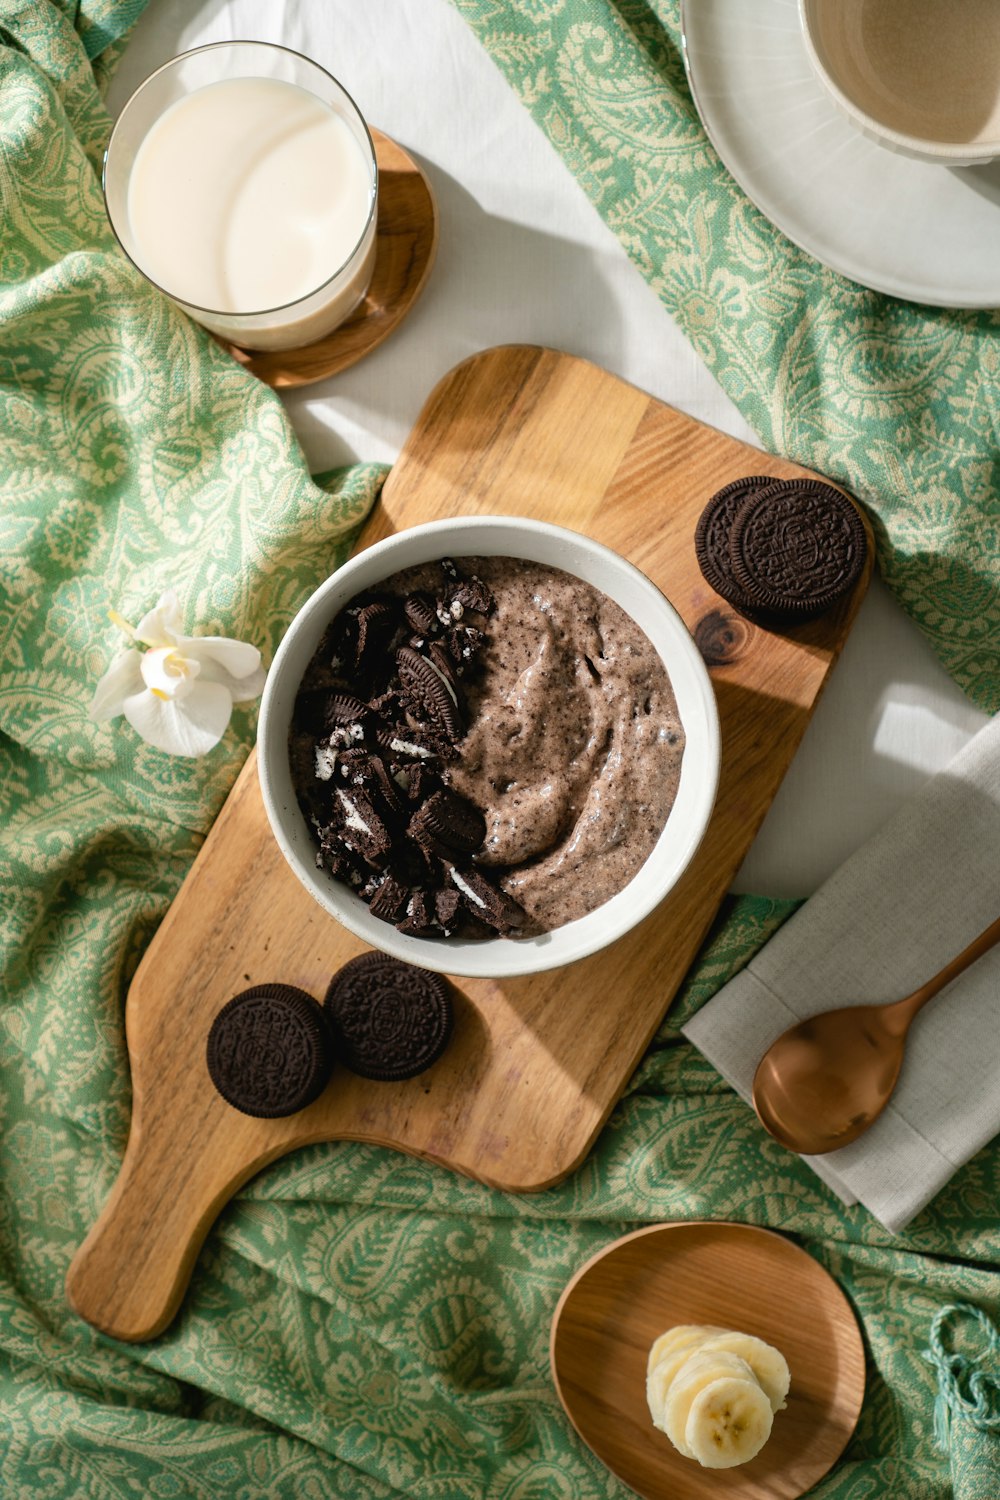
<point>734,1276</point>
<point>406,243</point>
<point>538,1062</point>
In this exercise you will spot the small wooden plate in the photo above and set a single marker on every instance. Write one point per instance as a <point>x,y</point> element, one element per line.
<point>406,241</point>
<point>732,1275</point>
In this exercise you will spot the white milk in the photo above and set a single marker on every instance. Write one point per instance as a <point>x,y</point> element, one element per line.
<point>247,195</point>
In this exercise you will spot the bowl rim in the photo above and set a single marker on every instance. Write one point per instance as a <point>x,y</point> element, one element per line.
<point>495,958</point>
<point>954,153</point>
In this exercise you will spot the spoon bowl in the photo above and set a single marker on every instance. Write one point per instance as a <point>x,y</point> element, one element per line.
<point>824,1081</point>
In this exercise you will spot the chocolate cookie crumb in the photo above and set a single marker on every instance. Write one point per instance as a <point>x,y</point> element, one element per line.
<point>427,693</point>
<point>488,903</point>
<point>448,824</point>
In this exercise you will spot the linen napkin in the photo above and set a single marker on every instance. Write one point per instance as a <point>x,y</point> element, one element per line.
<point>893,915</point>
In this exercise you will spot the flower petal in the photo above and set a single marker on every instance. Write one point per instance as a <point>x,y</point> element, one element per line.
<point>123,677</point>
<point>242,688</point>
<point>237,658</point>
<point>191,726</point>
<point>162,625</point>
<point>169,674</point>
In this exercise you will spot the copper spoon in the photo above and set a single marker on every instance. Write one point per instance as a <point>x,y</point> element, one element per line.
<point>825,1080</point>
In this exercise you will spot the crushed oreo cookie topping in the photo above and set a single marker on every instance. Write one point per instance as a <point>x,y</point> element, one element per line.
<point>370,751</point>
<point>502,765</point>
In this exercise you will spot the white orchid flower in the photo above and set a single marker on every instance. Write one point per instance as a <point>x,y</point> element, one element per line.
<point>179,693</point>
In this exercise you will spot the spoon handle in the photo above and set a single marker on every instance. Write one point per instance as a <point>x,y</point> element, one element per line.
<point>980,945</point>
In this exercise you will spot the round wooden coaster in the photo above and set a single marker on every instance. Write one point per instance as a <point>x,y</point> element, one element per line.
<point>406,240</point>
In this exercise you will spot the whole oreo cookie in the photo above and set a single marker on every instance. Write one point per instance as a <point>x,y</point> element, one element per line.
<point>269,1052</point>
<point>797,547</point>
<point>391,1020</point>
<point>712,533</point>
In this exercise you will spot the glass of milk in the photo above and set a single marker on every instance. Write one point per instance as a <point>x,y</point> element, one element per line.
<point>241,180</point>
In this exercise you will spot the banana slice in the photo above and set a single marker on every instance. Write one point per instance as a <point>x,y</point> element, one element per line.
<point>728,1421</point>
<point>768,1364</point>
<point>684,1335</point>
<point>748,1380</point>
<point>671,1350</point>
<point>700,1370</point>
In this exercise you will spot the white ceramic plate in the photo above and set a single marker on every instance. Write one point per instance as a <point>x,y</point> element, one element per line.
<point>924,232</point>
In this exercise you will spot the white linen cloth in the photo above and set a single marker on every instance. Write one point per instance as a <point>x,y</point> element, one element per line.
<point>900,908</point>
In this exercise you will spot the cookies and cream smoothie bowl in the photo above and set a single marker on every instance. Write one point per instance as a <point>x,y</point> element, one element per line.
<point>488,746</point>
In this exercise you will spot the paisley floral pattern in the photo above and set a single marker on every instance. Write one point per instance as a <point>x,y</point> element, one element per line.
<point>359,1323</point>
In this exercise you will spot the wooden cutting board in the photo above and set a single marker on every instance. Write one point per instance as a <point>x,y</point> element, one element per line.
<point>538,1062</point>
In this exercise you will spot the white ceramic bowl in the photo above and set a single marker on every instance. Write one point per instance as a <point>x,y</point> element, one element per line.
<point>498,536</point>
<point>922,78</point>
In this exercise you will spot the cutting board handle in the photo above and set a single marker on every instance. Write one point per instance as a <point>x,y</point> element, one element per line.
<point>131,1272</point>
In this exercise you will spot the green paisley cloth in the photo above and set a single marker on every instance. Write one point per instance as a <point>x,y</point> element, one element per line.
<point>360,1323</point>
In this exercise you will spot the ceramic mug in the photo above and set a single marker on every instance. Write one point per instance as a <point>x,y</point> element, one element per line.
<point>921,77</point>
